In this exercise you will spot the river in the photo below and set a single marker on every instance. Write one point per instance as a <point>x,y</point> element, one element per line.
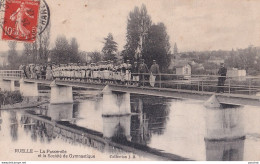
<point>157,126</point>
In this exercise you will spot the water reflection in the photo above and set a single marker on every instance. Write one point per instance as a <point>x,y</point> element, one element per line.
<point>232,150</point>
<point>37,129</point>
<point>117,128</point>
<point>224,123</point>
<point>1,120</point>
<point>13,125</point>
<point>224,134</point>
<point>58,121</point>
<point>60,112</point>
<point>157,124</point>
<point>151,118</point>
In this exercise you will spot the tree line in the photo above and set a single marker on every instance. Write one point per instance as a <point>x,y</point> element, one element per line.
<point>144,39</point>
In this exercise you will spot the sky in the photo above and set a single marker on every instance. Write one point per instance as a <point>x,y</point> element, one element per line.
<point>195,25</point>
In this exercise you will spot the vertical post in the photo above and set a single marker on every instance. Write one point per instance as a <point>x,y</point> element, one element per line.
<point>202,86</point>
<point>198,85</point>
<point>250,81</point>
<point>160,82</point>
<point>229,85</point>
<point>143,78</point>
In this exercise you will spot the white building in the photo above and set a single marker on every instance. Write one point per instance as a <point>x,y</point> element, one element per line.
<point>237,74</point>
<point>234,72</point>
<point>183,69</point>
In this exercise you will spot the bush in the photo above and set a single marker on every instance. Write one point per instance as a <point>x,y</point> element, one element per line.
<point>7,97</point>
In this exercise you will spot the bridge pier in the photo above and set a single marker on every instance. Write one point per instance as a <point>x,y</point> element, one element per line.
<point>28,89</point>
<point>116,115</point>
<point>115,103</point>
<point>60,112</point>
<point>60,94</point>
<point>225,150</point>
<point>117,127</point>
<point>223,123</point>
<point>225,135</point>
<point>7,85</point>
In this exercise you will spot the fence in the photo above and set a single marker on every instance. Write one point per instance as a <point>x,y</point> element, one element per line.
<point>247,85</point>
<point>11,73</point>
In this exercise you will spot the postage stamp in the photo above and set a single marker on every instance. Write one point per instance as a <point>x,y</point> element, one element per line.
<point>20,20</point>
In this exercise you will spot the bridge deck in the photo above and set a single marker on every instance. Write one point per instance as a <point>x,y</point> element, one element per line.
<point>225,98</point>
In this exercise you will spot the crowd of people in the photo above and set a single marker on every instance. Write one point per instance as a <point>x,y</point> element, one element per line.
<point>102,72</point>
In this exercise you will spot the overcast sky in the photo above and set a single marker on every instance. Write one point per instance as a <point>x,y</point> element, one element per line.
<point>192,24</point>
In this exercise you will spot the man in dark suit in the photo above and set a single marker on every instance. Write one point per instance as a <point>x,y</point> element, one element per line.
<point>222,77</point>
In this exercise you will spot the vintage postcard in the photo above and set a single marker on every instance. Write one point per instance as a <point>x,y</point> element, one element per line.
<point>130,80</point>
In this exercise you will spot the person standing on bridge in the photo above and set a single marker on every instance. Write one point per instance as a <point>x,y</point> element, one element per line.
<point>135,73</point>
<point>154,72</point>
<point>143,70</point>
<point>222,77</point>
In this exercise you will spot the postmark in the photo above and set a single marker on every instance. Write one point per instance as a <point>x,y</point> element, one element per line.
<point>23,20</point>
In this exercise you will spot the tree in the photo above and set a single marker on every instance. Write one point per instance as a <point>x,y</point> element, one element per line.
<point>95,56</point>
<point>44,40</point>
<point>38,51</point>
<point>175,49</point>
<point>138,25</point>
<point>27,56</point>
<point>12,55</point>
<point>157,46</point>
<point>65,52</point>
<point>60,53</point>
<point>74,51</point>
<point>110,48</point>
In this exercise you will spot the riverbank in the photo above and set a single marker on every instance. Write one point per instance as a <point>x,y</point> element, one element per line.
<point>14,100</point>
<point>10,97</point>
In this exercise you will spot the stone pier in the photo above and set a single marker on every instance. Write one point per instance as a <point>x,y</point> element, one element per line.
<point>28,89</point>
<point>115,103</point>
<point>223,123</point>
<point>60,94</point>
<point>116,114</point>
<point>7,85</point>
<point>224,137</point>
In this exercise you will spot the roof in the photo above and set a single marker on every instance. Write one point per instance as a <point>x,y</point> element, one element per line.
<point>181,64</point>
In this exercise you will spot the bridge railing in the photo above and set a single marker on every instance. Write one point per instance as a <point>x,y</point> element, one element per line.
<point>209,83</point>
<point>248,85</point>
<point>11,73</point>
<point>233,84</point>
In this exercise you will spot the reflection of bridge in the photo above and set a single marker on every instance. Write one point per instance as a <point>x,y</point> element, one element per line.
<point>224,138</point>
<point>199,88</point>
<point>101,141</point>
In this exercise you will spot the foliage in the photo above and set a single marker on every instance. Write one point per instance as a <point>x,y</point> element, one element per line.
<point>247,59</point>
<point>38,51</point>
<point>7,97</point>
<point>157,46</point>
<point>65,52</point>
<point>110,48</point>
<point>151,39</point>
<point>138,24</point>
<point>95,56</point>
<point>12,55</point>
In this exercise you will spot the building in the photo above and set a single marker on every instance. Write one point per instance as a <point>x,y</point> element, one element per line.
<point>237,74</point>
<point>183,69</point>
<point>234,72</point>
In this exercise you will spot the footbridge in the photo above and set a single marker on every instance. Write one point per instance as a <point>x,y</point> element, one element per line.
<point>237,91</point>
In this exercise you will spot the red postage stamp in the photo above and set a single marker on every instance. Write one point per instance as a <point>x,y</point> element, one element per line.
<point>20,20</point>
